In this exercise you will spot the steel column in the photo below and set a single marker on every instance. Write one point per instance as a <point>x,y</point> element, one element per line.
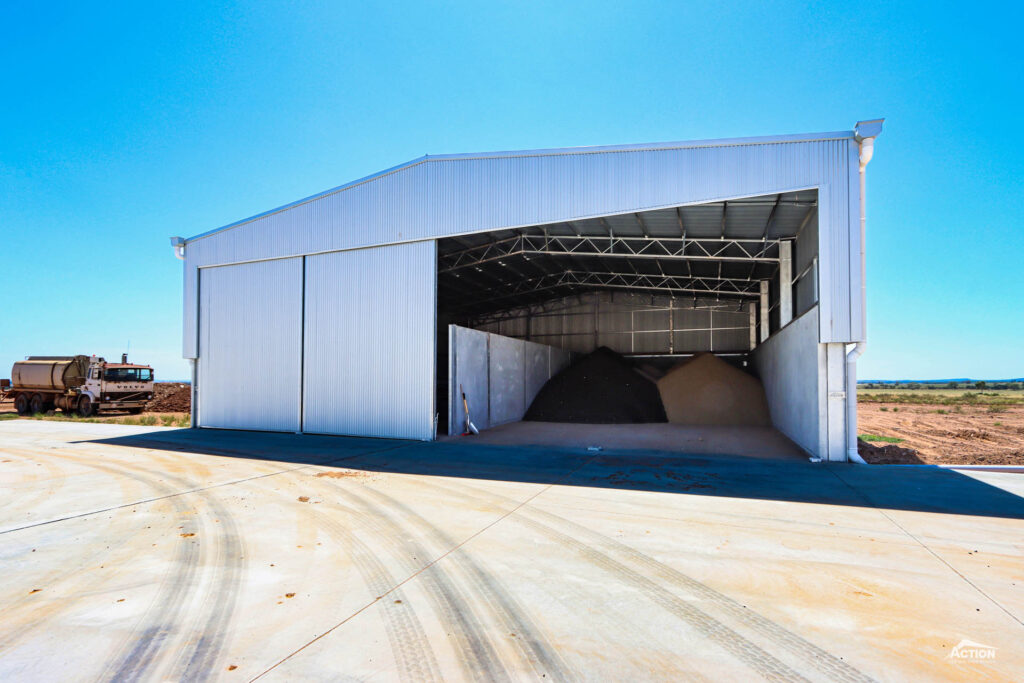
<point>785,282</point>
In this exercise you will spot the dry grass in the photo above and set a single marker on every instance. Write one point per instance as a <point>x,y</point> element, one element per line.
<point>942,397</point>
<point>140,420</point>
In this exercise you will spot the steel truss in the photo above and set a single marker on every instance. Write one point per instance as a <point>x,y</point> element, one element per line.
<point>557,309</point>
<point>710,249</point>
<point>668,284</point>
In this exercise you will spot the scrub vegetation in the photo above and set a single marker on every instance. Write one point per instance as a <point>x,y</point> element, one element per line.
<point>941,397</point>
<point>143,420</point>
<point>875,437</point>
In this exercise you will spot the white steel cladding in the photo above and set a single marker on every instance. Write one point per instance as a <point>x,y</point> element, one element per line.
<point>369,342</point>
<point>450,195</point>
<point>250,345</point>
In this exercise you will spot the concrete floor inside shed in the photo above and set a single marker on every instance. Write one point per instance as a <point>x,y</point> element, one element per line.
<point>726,441</point>
<point>154,553</point>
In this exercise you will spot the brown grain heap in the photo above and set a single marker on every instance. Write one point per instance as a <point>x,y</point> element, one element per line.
<point>706,390</point>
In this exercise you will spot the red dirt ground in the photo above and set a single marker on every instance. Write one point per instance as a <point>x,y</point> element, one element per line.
<point>970,436</point>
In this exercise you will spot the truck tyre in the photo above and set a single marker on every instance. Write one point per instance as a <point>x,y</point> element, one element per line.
<point>85,407</point>
<point>37,404</point>
<point>21,404</point>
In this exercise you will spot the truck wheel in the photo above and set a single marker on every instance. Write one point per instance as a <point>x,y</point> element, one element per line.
<point>85,407</point>
<point>37,404</point>
<point>21,404</point>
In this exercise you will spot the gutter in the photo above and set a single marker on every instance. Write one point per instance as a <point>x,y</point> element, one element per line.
<point>864,133</point>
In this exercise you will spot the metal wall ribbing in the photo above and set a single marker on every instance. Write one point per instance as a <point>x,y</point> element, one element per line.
<point>369,342</point>
<point>630,323</point>
<point>250,349</point>
<point>443,196</point>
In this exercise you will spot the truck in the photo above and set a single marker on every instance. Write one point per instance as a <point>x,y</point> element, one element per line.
<point>78,384</point>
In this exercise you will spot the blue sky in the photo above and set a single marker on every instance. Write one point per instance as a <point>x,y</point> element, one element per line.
<point>122,126</point>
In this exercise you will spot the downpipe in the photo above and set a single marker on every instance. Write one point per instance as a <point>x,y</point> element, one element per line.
<point>867,150</point>
<point>851,402</point>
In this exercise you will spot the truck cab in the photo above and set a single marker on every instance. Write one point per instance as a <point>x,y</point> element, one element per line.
<point>119,386</point>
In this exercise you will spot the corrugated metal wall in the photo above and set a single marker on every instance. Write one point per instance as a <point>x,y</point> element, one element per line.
<point>631,324</point>
<point>447,196</point>
<point>250,345</point>
<point>369,342</point>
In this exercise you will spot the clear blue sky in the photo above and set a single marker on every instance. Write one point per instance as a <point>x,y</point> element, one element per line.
<point>120,127</point>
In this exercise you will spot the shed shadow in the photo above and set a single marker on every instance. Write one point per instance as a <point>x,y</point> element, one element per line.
<point>921,489</point>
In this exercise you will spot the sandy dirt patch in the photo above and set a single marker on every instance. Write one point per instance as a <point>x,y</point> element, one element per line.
<point>964,435</point>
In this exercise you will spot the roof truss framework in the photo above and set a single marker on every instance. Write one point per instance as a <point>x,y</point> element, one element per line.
<point>746,250</point>
<point>665,284</point>
<point>721,250</point>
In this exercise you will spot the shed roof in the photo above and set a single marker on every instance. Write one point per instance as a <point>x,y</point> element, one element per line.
<point>553,152</point>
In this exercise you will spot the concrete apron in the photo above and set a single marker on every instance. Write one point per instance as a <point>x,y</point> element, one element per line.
<point>168,554</point>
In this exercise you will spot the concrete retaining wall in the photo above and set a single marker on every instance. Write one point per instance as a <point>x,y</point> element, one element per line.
<point>500,375</point>
<point>788,363</point>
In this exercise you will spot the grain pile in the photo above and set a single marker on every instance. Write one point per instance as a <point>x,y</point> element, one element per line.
<point>600,388</point>
<point>705,390</point>
<point>170,397</point>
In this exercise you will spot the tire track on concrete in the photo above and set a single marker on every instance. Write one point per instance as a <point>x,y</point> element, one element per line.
<point>142,650</point>
<point>24,503</point>
<point>42,616</point>
<point>826,663</point>
<point>135,662</point>
<point>533,647</point>
<point>410,646</point>
<point>477,654</point>
<point>210,633</point>
<point>212,637</point>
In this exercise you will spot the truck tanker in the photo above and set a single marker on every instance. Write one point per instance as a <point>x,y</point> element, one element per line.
<point>82,384</point>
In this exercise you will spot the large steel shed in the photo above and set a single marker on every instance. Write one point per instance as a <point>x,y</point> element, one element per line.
<point>332,314</point>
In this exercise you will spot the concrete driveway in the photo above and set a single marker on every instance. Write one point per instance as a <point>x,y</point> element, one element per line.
<point>162,554</point>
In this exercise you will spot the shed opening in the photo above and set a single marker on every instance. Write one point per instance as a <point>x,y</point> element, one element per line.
<point>685,299</point>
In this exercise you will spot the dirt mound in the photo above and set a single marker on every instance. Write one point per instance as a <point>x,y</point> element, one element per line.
<point>705,390</point>
<point>600,388</point>
<point>170,397</point>
<point>887,455</point>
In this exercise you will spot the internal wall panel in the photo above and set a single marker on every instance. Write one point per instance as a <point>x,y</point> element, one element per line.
<point>507,376</point>
<point>468,373</point>
<point>788,366</point>
<point>369,342</point>
<point>500,376</point>
<point>537,358</point>
<point>250,343</point>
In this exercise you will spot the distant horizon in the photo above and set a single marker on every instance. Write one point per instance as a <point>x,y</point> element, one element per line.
<point>960,380</point>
